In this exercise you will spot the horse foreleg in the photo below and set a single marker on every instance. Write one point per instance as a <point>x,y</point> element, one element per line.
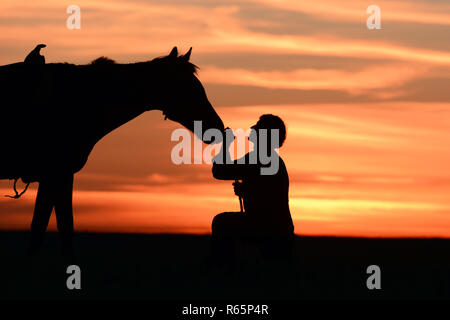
<point>41,216</point>
<point>64,212</point>
<point>53,192</point>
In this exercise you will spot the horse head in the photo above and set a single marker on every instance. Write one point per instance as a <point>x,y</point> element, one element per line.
<point>182,96</point>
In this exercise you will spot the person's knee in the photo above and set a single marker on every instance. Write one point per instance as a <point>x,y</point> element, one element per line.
<point>216,223</point>
<point>220,222</point>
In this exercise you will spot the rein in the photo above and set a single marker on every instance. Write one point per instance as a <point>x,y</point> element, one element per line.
<point>18,195</point>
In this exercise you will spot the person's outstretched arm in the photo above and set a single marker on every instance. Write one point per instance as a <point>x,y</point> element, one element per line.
<point>224,168</point>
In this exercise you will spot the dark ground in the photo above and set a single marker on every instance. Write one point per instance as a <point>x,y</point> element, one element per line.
<point>172,267</point>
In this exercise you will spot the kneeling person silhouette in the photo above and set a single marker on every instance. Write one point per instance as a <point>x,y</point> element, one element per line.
<point>267,220</point>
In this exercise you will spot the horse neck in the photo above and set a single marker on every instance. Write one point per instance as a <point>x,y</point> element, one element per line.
<point>115,105</point>
<point>114,118</point>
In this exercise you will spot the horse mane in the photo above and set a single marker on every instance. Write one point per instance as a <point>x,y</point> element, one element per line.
<point>180,63</point>
<point>184,65</point>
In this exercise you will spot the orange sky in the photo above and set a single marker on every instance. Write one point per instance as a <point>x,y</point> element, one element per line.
<point>368,112</point>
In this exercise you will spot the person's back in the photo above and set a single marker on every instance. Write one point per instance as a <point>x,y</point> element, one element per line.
<point>266,201</point>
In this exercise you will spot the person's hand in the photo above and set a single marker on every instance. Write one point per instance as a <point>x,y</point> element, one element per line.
<point>223,156</point>
<point>238,189</point>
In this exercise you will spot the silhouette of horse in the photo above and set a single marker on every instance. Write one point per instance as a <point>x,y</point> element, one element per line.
<point>52,115</point>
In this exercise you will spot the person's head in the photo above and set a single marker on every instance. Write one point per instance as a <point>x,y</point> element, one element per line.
<point>269,122</point>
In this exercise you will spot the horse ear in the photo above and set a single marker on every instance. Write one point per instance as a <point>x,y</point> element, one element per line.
<point>173,53</point>
<point>187,56</point>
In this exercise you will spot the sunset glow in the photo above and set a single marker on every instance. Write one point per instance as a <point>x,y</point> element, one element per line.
<point>367,111</point>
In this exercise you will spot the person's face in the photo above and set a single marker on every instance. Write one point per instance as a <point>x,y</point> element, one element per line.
<point>255,136</point>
